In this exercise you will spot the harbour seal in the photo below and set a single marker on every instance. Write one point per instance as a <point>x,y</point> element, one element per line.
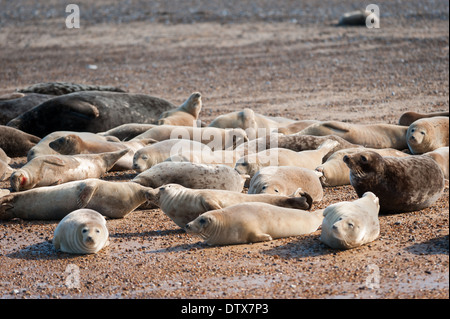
<point>369,135</point>
<point>253,222</point>
<point>111,199</point>
<point>50,170</point>
<point>351,224</point>
<point>215,138</point>
<point>183,205</point>
<point>426,135</point>
<point>186,114</point>
<point>82,231</point>
<point>251,164</point>
<point>402,184</point>
<point>90,111</point>
<point>16,143</point>
<point>156,153</point>
<point>191,175</point>
<point>407,118</point>
<point>128,131</point>
<point>334,172</point>
<point>356,18</point>
<point>284,180</point>
<point>441,157</point>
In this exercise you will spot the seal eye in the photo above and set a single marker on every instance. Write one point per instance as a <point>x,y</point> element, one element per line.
<point>363,159</point>
<point>264,187</point>
<point>145,157</point>
<point>84,231</point>
<point>97,231</point>
<point>276,190</point>
<point>244,164</point>
<point>202,221</point>
<point>350,225</point>
<point>423,133</point>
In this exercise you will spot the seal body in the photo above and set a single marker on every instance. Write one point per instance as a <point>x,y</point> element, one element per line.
<point>191,175</point>
<point>16,143</point>
<point>427,134</point>
<point>82,231</point>
<point>12,108</point>
<point>402,184</point>
<point>351,224</point>
<point>253,222</point>
<point>285,180</point>
<point>334,172</point>
<point>183,204</point>
<point>111,199</point>
<point>50,170</point>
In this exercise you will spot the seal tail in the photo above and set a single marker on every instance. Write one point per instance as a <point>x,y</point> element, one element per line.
<point>111,158</point>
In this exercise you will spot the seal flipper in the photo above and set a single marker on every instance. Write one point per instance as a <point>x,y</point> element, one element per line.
<point>5,205</point>
<point>253,237</point>
<point>85,196</point>
<point>53,160</point>
<point>83,109</point>
<point>210,205</point>
<point>299,193</point>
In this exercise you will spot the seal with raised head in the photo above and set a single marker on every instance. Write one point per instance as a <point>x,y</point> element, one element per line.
<point>253,222</point>
<point>16,143</point>
<point>407,118</point>
<point>111,199</point>
<point>185,115</point>
<point>90,111</point>
<point>402,184</point>
<point>427,134</point>
<point>183,205</point>
<point>82,231</point>
<point>441,156</point>
<point>351,224</point>
<point>369,135</point>
<point>284,180</point>
<point>334,172</point>
<point>192,175</point>
<point>50,170</point>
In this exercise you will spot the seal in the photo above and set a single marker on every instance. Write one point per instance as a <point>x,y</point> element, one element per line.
<point>253,222</point>
<point>90,111</point>
<point>348,225</point>
<point>183,205</point>
<point>296,126</point>
<point>82,231</point>
<point>251,164</point>
<point>369,135</point>
<point>16,143</point>
<point>334,172</point>
<point>126,132</point>
<point>402,184</point>
<point>441,157</point>
<point>50,170</point>
<point>215,138</point>
<point>185,115</point>
<point>14,107</point>
<point>225,157</point>
<point>73,144</point>
<point>284,180</point>
<point>426,135</point>
<point>156,153</point>
<point>355,18</point>
<point>407,118</point>
<point>111,199</point>
<point>191,175</point>
<point>5,170</point>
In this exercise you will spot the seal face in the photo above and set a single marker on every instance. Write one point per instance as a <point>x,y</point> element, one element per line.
<point>351,224</point>
<point>427,134</point>
<point>402,184</point>
<point>83,231</point>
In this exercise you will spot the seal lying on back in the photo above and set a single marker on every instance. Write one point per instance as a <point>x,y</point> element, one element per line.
<point>187,174</point>
<point>111,199</point>
<point>253,222</point>
<point>402,184</point>
<point>90,111</point>
<point>82,231</point>
<point>183,204</point>
<point>50,170</point>
<point>351,224</point>
<point>426,135</point>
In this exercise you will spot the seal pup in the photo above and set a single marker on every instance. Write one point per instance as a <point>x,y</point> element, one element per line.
<point>111,199</point>
<point>185,115</point>
<point>356,18</point>
<point>82,231</point>
<point>334,172</point>
<point>426,135</point>
<point>407,118</point>
<point>183,205</point>
<point>441,157</point>
<point>402,184</point>
<point>128,131</point>
<point>251,164</point>
<point>149,156</point>
<point>192,175</point>
<point>369,135</point>
<point>253,222</point>
<point>90,111</point>
<point>16,143</point>
<point>50,170</point>
<point>284,180</point>
<point>351,224</point>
